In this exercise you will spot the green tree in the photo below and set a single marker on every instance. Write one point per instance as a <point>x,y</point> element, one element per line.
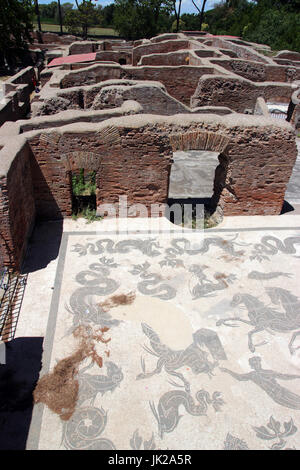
<point>200,11</point>
<point>108,15</point>
<point>60,16</point>
<point>48,11</point>
<point>278,29</point>
<point>191,21</point>
<point>15,27</point>
<point>135,19</point>
<point>83,18</point>
<point>37,12</point>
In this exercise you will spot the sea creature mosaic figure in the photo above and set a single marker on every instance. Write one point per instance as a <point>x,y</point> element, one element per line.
<point>263,317</point>
<point>167,412</point>
<point>84,429</point>
<point>267,381</point>
<point>193,356</point>
<point>90,385</point>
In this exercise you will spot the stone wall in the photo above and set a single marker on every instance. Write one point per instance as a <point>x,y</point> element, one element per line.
<point>244,52</point>
<point>16,101</point>
<point>238,94</point>
<point>290,55</point>
<point>53,38</point>
<point>90,75</point>
<point>160,47</point>
<point>169,58</point>
<point>180,81</point>
<point>259,72</point>
<point>132,157</point>
<point>17,205</point>
<point>85,47</point>
<point>124,57</point>
<point>152,98</point>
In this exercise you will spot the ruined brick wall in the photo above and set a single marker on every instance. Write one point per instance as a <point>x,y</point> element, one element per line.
<point>135,160</point>
<point>53,38</point>
<point>17,90</point>
<point>90,75</point>
<point>17,207</point>
<point>132,157</point>
<point>290,55</point>
<point>51,179</point>
<point>180,82</point>
<point>259,72</point>
<point>157,48</point>
<point>115,56</point>
<point>153,99</point>
<point>237,94</point>
<point>243,52</point>
<point>173,58</point>
<point>83,47</point>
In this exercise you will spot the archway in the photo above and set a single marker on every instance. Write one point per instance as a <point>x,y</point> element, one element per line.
<point>83,184</point>
<point>198,173</point>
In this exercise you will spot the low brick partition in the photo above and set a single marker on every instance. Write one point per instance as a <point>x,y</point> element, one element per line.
<point>259,72</point>
<point>16,101</point>
<point>290,55</point>
<point>122,57</point>
<point>180,81</point>
<point>168,58</point>
<point>162,47</point>
<point>17,204</point>
<point>92,74</point>
<point>244,52</point>
<point>132,156</point>
<point>238,93</point>
<point>293,114</point>
<point>53,38</point>
<point>84,47</point>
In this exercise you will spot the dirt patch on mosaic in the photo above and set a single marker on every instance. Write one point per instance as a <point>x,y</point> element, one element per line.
<point>59,389</point>
<point>116,300</point>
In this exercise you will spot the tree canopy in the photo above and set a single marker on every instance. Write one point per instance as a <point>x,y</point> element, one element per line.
<point>272,22</point>
<point>81,19</point>
<point>15,27</point>
<point>135,19</point>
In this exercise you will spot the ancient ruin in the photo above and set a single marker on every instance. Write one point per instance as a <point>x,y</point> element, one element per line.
<point>121,109</point>
<point>174,338</point>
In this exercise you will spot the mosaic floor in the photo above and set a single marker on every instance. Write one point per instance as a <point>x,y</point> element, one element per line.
<point>204,355</point>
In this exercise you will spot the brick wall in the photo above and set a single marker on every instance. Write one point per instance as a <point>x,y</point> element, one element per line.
<point>259,72</point>
<point>17,207</point>
<point>90,75</point>
<point>237,94</point>
<point>180,82</point>
<point>173,58</point>
<point>157,48</point>
<point>132,157</point>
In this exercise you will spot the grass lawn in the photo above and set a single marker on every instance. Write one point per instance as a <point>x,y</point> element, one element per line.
<point>55,28</point>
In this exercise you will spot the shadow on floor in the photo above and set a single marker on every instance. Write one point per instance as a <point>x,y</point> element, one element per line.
<point>43,245</point>
<point>287,207</point>
<point>18,378</point>
<point>204,205</point>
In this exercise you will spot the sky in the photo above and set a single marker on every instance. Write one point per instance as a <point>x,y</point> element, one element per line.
<point>187,5</point>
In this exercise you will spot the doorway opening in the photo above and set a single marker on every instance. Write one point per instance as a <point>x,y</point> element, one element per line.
<point>83,193</point>
<point>192,183</point>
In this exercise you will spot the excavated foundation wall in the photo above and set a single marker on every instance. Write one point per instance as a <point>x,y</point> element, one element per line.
<point>17,204</point>
<point>132,157</point>
<point>259,72</point>
<point>238,93</point>
<point>180,81</point>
